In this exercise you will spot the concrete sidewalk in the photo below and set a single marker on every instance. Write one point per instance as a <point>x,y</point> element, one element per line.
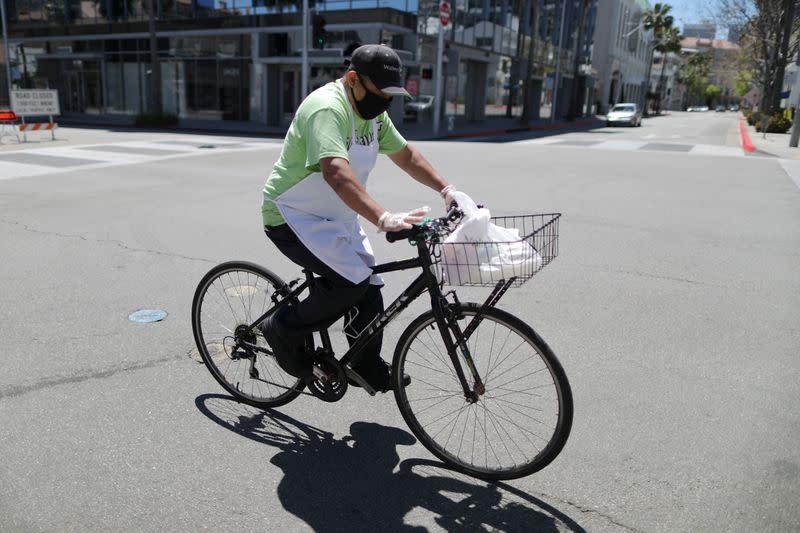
<point>73,136</point>
<point>773,144</point>
<point>498,129</point>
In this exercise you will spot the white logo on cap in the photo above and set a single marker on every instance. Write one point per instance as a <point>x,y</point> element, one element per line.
<point>389,67</point>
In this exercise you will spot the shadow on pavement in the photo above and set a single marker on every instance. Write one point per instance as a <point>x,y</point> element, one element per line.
<point>357,482</point>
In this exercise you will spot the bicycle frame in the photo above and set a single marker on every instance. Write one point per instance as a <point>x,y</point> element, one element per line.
<point>442,311</point>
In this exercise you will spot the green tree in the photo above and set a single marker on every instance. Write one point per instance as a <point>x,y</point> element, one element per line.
<point>770,32</point>
<point>658,19</point>
<point>712,94</point>
<point>744,82</point>
<point>694,74</point>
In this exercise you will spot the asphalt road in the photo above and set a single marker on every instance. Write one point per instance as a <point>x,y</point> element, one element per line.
<point>674,307</point>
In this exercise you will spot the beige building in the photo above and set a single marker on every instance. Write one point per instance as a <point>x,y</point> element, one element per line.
<point>723,71</point>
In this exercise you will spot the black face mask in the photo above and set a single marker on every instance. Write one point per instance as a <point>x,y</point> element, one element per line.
<point>371,105</point>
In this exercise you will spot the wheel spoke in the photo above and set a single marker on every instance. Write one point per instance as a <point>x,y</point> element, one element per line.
<point>501,434</point>
<point>228,300</point>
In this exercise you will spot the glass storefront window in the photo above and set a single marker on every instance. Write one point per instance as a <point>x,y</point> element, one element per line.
<point>455,90</point>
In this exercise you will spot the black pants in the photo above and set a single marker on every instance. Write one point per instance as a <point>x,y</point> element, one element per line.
<point>331,298</point>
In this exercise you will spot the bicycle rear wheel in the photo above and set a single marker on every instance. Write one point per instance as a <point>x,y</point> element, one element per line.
<point>228,299</point>
<point>516,428</point>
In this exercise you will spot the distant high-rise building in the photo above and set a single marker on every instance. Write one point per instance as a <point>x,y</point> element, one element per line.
<point>703,30</point>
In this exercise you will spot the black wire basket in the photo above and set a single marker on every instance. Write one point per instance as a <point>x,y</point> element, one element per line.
<point>484,264</point>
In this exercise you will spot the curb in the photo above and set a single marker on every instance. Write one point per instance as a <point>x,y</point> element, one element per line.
<point>747,145</point>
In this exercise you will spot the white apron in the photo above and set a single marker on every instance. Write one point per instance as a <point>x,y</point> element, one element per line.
<point>325,224</point>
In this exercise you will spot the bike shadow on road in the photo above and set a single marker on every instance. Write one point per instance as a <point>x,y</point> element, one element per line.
<point>358,483</point>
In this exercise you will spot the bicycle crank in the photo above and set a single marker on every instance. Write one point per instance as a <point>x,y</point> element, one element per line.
<point>330,382</point>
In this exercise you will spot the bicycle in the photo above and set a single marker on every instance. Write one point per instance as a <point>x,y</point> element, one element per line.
<point>509,428</point>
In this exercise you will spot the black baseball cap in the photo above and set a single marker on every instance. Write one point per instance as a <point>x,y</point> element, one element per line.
<point>382,66</point>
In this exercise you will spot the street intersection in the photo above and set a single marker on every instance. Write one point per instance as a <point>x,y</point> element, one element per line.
<point>673,306</point>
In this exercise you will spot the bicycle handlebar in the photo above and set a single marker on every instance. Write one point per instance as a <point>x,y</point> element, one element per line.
<point>393,236</point>
<point>422,228</point>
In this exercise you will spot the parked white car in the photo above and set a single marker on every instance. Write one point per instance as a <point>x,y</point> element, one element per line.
<point>421,104</point>
<point>627,113</point>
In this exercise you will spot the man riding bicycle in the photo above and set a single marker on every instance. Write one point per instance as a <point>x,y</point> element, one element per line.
<point>314,195</point>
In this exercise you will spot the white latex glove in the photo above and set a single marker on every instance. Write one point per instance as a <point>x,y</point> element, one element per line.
<point>397,221</point>
<point>447,194</point>
<point>464,202</point>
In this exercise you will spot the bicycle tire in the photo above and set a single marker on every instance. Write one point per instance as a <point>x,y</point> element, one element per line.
<point>562,423</point>
<point>266,364</point>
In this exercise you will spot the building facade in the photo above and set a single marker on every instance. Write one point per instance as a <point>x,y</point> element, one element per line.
<point>622,52</point>
<point>239,61</point>
<point>722,72</point>
<point>501,54</point>
<point>231,61</point>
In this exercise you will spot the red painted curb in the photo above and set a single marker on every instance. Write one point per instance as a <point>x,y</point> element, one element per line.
<point>747,146</point>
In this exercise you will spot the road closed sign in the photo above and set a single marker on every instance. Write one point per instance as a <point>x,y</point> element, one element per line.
<point>35,103</point>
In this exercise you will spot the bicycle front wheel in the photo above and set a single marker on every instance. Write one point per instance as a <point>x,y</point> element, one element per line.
<point>517,427</point>
<point>228,299</point>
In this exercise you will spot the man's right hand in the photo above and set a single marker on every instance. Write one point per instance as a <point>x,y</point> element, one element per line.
<point>400,221</point>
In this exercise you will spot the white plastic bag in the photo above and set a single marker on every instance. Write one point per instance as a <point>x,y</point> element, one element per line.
<point>479,252</point>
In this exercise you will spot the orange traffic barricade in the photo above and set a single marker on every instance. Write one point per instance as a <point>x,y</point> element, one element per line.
<point>8,120</point>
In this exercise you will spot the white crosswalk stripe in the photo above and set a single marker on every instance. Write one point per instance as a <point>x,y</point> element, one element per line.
<point>53,160</point>
<point>10,170</point>
<point>649,145</point>
<point>709,149</point>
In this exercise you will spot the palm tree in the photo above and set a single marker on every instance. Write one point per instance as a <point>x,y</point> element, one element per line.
<point>657,19</point>
<point>660,21</point>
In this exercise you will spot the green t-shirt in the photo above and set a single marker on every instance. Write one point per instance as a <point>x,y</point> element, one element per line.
<point>322,127</point>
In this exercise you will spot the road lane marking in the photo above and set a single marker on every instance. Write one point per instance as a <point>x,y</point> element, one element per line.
<point>9,171</point>
<point>580,142</point>
<point>709,149</point>
<point>643,146</point>
<point>56,160</point>
<point>548,140</point>
<point>99,157</point>
<point>135,150</point>
<point>33,158</point>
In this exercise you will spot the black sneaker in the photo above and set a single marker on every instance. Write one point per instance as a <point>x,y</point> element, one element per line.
<point>378,375</point>
<point>293,359</point>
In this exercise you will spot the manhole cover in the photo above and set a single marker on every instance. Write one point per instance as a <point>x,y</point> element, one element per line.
<point>241,291</point>
<point>144,316</point>
<point>206,146</point>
